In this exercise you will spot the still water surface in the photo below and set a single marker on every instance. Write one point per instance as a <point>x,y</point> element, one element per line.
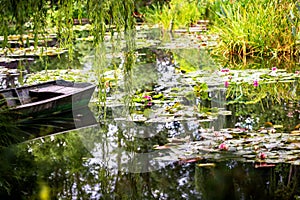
<point>105,154</point>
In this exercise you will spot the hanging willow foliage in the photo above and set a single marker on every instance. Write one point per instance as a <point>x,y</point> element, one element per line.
<point>110,12</point>
<point>15,14</point>
<point>22,16</point>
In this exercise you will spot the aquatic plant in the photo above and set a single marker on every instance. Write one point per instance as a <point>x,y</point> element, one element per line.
<point>255,29</point>
<point>280,88</point>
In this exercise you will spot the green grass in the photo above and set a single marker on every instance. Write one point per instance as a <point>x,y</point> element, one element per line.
<point>176,14</point>
<point>257,29</point>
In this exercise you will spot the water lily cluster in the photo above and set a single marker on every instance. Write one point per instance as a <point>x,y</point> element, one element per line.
<point>252,86</point>
<point>148,101</point>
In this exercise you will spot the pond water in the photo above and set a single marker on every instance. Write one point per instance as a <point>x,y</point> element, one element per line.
<point>155,131</point>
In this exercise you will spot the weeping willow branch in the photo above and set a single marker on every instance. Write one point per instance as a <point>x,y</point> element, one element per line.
<point>23,16</point>
<point>110,15</point>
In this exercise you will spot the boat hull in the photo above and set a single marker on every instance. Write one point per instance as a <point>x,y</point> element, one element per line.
<point>49,97</point>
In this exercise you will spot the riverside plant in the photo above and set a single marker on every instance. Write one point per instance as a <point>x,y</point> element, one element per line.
<point>257,29</point>
<point>176,14</point>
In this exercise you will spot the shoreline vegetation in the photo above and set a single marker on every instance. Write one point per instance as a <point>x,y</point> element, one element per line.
<point>247,30</point>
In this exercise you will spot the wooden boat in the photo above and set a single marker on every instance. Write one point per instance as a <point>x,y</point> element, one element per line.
<point>47,97</point>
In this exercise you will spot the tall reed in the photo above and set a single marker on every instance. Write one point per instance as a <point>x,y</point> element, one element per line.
<point>175,14</point>
<point>258,28</point>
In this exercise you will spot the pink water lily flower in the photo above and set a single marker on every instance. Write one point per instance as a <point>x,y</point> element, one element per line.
<point>274,69</point>
<point>255,83</point>
<point>225,70</point>
<point>149,98</point>
<point>223,146</point>
<point>262,155</point>
<point>226,84</point>
<point>297,72</point>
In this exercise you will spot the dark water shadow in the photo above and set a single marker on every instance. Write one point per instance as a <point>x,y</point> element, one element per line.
<point>23,129</point>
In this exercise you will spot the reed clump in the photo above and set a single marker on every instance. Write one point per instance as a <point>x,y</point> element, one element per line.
<point>174,14</point>
<point>258,29</point>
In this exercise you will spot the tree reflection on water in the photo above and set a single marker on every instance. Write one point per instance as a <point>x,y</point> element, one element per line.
<point>64,165</point>
<point>89,163</point>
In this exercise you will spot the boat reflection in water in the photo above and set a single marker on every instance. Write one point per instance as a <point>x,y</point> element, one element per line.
<point>43,125</point>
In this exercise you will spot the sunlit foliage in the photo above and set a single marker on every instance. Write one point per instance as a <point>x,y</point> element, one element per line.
<point>258,28</point>
<point>19,17</point>
<point>175,14</point>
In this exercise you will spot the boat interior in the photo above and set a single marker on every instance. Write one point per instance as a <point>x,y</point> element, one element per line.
<point>16,97</point>
<point>19,96</point>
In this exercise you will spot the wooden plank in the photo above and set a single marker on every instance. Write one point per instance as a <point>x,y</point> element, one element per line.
<point>56,89</point>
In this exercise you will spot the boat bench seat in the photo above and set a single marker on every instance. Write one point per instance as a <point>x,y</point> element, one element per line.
<point>50,92</point>
<point>55,89</point>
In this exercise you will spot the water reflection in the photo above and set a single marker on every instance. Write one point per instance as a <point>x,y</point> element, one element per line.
<point>117,159</point>
<point>62,168</point>
<point>235,180</point>
<point>22,129</point>
<point>44,125</point>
